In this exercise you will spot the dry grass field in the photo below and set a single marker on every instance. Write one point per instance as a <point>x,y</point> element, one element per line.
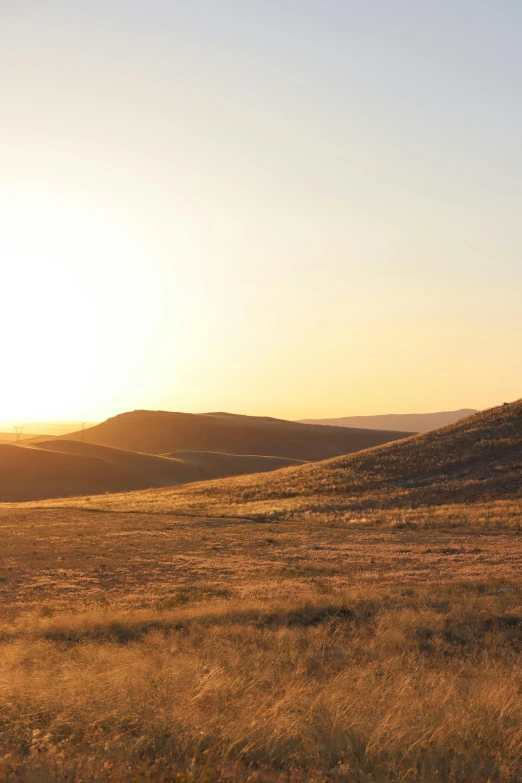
<point>162,648</point>
<point>377,639</point>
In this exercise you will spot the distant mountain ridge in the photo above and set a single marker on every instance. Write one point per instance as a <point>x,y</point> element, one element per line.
<point>165,432</point>
<point>410,422</point>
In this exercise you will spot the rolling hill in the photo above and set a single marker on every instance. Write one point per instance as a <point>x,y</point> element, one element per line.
<point>161,432</point>
<point>28,473</point>
<point>477,459</point>
<point>61,468</point>
<point>218,465</point>
<point>411,422</point>
<point>176,468</point>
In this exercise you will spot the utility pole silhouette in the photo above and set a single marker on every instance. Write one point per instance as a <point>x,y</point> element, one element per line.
<point>18,429</point>
<point>83,431</point>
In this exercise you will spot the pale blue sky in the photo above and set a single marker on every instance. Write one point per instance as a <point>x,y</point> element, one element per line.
<point>292,208</point>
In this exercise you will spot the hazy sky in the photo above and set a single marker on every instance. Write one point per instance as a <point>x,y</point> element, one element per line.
<point>284,207</point>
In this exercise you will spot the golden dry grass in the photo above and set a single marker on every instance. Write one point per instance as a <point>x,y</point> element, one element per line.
<point>160,648</point>
<point>402,687</point>
<point>80,560</point>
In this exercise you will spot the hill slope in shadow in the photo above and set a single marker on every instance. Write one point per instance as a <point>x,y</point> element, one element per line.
<point>411,422</point>
<point>61,468</point>
<point>177,468</point>
<point>161,432</point>
<point>28,473</point>
<point>477,459</point>
<point>220,465</point>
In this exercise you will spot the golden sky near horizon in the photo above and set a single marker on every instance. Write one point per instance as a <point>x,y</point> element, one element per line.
<point>276,208</point>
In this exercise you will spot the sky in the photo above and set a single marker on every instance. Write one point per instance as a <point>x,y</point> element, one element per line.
<point>294,208</point>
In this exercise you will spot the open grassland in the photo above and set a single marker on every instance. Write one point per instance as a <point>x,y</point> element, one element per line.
<point>63,559</point>
<point>356,620</point>
<point>163,648</point>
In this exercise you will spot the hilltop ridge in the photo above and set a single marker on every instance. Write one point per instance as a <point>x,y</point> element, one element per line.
<point>163,432</point>
<point>412,422</point>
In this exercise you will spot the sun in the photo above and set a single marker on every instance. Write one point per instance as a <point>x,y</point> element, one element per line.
<point>74,308</point>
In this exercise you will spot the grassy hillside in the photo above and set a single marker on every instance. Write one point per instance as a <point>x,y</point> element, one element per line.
<point>476,459</point>
<point>160,432</point>
<point>411,422</point>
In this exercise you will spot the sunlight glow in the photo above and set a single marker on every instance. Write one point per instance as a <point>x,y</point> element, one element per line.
<point>72,310</point>
<point>310,212</point>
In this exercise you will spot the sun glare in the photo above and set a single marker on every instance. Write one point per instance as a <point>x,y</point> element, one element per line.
<point>68,313</point>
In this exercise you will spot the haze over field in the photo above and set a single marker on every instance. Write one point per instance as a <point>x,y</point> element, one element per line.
<point>31,429</point>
